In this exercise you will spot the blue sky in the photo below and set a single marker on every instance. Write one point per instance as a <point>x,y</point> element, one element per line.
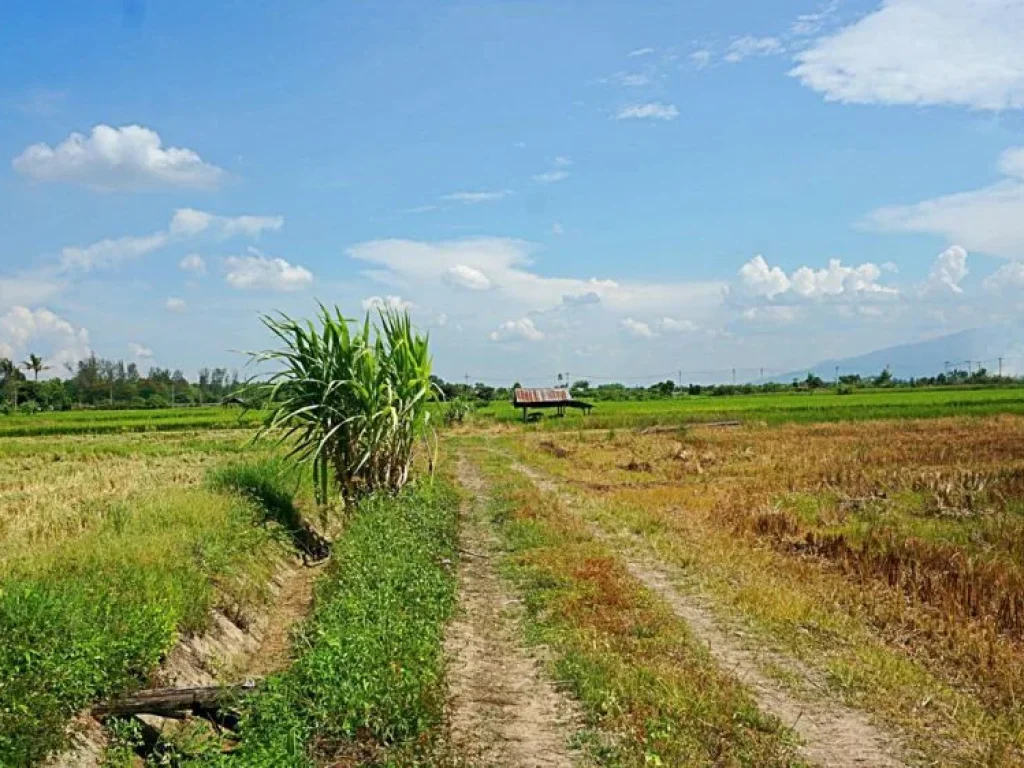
<point>609,189</point>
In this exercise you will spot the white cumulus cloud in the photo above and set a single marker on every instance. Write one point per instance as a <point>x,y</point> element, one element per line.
<point>923,52</point>
<point>40,331</point>
<point>523,329</point>
<point>637,328</point>
<point>379,303</point>
<point>117,158</point>
<point>949,269</point>
<point>836,279</point>
<point>759,279</point>
<point>140,351</point>
<point>258,272</point>
<point>465,276</point>
<point>176,304</point>
<point>1008,278</point>
<point>193,263</point>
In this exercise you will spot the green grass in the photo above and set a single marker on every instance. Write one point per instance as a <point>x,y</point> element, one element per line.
<point>104,421</point>
<point>368,684</point>
<point>821,406</point>
<point>93,617</point>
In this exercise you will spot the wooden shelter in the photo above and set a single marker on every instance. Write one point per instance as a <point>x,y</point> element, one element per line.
<point>553,397</point>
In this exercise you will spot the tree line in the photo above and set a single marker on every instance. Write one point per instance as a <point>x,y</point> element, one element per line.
<point>101,383</point>
<point>97,382</point>
<point>481,394</point>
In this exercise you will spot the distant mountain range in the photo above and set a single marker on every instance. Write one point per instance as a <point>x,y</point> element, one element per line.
<point>928,358</point>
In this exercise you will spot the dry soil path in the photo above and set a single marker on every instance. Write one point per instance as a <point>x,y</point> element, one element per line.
<point>832,733</point>
<point>502,710</point>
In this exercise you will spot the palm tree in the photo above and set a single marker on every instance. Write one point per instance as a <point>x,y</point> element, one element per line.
<point>35,364</point>
<point>10,373</point>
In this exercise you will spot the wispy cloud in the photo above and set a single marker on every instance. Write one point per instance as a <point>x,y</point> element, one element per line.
<point>747,46</point>
<point>701,58</point>
<point>550,177</point>
<point>186,224</point>
<point>808,24</point>
<point>41,102</point>
<point>651,111</point>
<point>631,79</point>
<point>641,52</point>
<point>471,198</point>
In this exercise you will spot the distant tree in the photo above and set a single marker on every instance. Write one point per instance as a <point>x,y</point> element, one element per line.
<point>35,364</point>
<point>10,373</point>
<point>884,379</point>
<point>664,388</point>
<point>581,384</point>
<point>483,392</point>
<point>813,382</point>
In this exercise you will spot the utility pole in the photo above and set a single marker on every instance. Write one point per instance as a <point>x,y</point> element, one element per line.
<point>945,367</point>
<point>837,375</point>
<point>172,393</point>
<point>1000,367</point>
<point>762,376</point>
<point>734,376</point>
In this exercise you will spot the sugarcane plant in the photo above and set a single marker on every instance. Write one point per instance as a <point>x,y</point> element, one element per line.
<point>350,397</point>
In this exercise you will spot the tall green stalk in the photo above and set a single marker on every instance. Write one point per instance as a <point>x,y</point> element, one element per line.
<point>350,398</point>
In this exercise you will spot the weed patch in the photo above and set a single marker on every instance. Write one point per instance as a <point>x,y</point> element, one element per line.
<point>368,681</point>
<point>93,618</point>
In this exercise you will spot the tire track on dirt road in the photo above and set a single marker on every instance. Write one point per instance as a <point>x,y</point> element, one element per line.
<point>502,711</point>
<point>832,734</point>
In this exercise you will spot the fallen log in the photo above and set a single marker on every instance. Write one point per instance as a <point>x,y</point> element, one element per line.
<point>174,701</point>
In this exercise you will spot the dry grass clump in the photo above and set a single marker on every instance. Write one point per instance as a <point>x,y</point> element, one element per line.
<point>55,489</point>
<point>915,528</point>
